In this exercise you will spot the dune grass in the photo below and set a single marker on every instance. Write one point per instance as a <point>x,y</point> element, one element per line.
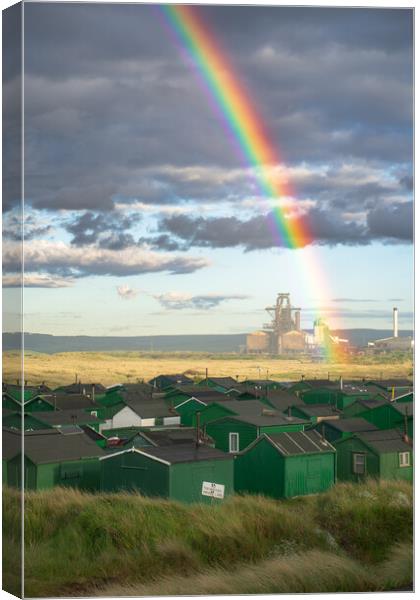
<point>81,544</point>
<point>129,367</point>
<point>310,572</point>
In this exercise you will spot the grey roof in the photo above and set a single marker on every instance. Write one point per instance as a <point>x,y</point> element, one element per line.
<point>300,442</point>
<point>141,387</point>
<point>49,445</point>
<point>148,408</point>
<point>168,437</point>
<point>65,417</point>
<point>385,441</point>
<point>45,447</point>
<point>179,453</point>
<point>351,425</point>
<point>389,383</point>
<point>406,408</point>
<point>245,407</point>
<point>81,388</point>
<point>12,442</point>
<point>36,389</point>
<point>178,378</point>
<point>266,420</point>
<point>69,401</point>
<point>370,403</point>
<point>320,383</point>
<point>318,410</point>
<point>227,382</point>
<point>262,382</point>
<point>92,433</point>
<point>282,399</point>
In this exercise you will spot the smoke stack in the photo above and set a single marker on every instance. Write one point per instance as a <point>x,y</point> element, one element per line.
<point>395,315</point>
<point>341,382</point>
<point>297,320</point>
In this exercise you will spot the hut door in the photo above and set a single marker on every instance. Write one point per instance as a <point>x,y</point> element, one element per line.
<point>313,475</point>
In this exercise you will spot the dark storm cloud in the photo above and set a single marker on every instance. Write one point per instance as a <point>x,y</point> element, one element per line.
<point>107,230</point>
<point>255,233</point>
<point>332,84</point>
<point>392,223</point>
<point>183,232</point>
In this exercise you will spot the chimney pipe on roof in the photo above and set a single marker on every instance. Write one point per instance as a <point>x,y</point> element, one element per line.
<point>395,315</point>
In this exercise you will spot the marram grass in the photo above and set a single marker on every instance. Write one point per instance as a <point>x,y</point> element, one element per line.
<point>81,544</point>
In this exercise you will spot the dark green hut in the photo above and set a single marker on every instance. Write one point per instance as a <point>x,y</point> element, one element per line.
<point>390,415</point>
<point>53,458</point>
<point>337,429</point>
<point>379,454</point>
<point>235,433</point>
<point>284,465</point>
<point>183,472</point>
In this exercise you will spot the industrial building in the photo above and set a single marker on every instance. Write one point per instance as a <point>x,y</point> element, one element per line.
<point>284,335</point>
<point>394,343</point>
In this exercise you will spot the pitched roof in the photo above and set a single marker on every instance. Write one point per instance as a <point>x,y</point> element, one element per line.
<point>406,408</point>
<point>12,442</point>
<point>317,410</point>
<point>243,407</point>
<point>81,388</point>
<point>174,378</point>
<point>45,447</point>
<point>282,399</point>
<point>148,408</point>
<point>385,441</point>
<point>390,383</point>
<point>299,442</point>
<point>265,420</point>
<point>227,382</point>
<point>70,401</point>
<point>168,437</point>
<point>65,417</point>
<point>92,433</point>
<point>181,453</point>
<point>320,383</point>
<point>350,425</point>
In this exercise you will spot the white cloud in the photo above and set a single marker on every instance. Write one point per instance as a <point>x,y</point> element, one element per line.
<point>126,292</point>
<point>181,300</point>
<point>70,261</point>
<point>35,280</point>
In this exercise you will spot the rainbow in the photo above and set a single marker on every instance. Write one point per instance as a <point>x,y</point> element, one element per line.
<point>247,130</point>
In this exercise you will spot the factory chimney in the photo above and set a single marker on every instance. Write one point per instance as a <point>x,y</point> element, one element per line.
<point>395,314</point>
<point>297,319</point>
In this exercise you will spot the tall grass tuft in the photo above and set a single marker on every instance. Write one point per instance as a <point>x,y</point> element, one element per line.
<point>76,542</point>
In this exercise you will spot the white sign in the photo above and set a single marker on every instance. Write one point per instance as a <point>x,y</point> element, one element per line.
<point>215,490</point>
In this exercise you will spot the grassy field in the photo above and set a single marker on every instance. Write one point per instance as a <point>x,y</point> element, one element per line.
<point>352,538</point>
<point>119,367</point>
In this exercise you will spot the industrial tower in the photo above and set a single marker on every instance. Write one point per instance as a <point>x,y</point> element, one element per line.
<point>282,321</point>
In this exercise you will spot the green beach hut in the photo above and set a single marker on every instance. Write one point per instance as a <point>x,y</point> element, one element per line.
<point>233,434</point>
<point>378,454</point>
<point>284,465</point>
<point>183,472</point>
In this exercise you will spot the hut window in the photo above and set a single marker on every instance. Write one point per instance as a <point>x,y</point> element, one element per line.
<point>233,442</point>
<point>404,459</point>
<point>359,463</point>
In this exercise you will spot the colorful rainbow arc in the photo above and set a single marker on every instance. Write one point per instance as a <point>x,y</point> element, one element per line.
<point>239,114</point>
<point>246,129</point>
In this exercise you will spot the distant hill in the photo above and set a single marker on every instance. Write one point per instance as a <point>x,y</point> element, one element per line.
<point>50,344</point>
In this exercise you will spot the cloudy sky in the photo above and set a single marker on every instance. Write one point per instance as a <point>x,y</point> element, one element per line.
<point>142,218</point>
